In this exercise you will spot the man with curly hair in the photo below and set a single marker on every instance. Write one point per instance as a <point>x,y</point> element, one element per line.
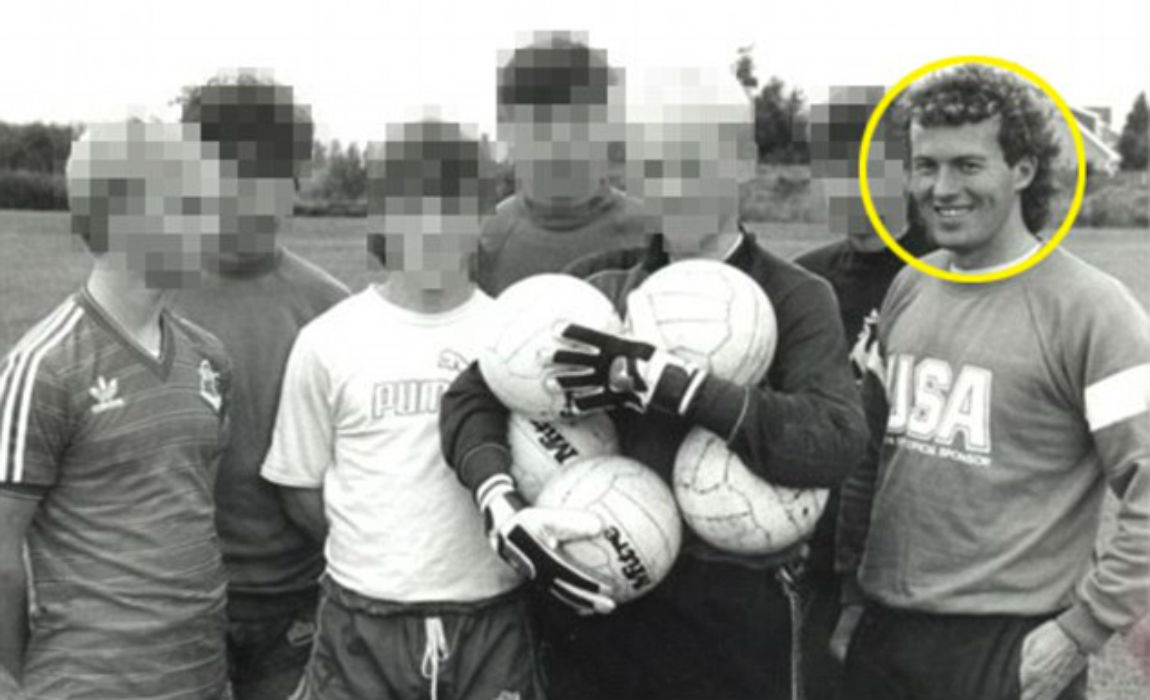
<point>1000,413</point>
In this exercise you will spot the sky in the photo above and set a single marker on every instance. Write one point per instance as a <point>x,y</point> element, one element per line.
<point>363,64</point>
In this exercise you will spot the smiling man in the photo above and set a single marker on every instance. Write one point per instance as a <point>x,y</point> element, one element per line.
<point>1001,412</point>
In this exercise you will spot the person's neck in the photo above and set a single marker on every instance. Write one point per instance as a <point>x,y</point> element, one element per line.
<point>716,246</point>
<point>124,297</point>
<point>1012,241</point>
<point>559,202</point>
<point>406,291</point>
<point>872,243</point>
<point>244,263</point>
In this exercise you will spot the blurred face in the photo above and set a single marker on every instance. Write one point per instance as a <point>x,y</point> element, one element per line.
<point>162,199</point>
<point>837,128</point>
<point>846,214</point>
<point>560,151</point>
<point>252,210</point>
<point>431,240</point>
<point>964,189</point>
<point>687,175</point>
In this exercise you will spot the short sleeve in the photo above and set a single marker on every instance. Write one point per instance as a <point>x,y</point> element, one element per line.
<point>303,438</point>
<point>34,423</point>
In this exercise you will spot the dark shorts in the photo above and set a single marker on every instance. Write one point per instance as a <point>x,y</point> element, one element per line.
<point>711,630</point>
<point>821,672</point>
<point>900,655</point>
<point>367,648</point>
<point>269,643</point>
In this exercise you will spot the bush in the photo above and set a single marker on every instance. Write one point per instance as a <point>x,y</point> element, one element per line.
<point>1119,201</point>
<point>20,189</point>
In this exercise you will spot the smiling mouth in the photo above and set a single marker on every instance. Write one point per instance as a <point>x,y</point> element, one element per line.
<point>952,212</point>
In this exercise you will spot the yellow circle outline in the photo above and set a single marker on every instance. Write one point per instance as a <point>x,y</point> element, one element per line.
<point>1048,247</point>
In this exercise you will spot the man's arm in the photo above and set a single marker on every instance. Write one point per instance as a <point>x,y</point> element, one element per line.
<point>473,435</point>
<point>803,426</point>
<point>473,430</point>
<point>1108,359</point>
<point>17,506</point>
<point>304,507</point>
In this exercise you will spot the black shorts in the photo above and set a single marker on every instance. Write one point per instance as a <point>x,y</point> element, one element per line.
<point>713,630</point>
<point>367,648</point>
<point>900,655</point>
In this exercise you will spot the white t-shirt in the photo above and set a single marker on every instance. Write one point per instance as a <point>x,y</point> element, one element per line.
<point>359,416</point>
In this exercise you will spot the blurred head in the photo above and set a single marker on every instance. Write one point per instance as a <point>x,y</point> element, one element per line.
<point>981,147</point>
<point>428,187</point>
<point>690,145</point>
<point>265,139</point>
<point>559,109</point>
<point>836,132</point>
<point>147,197</point>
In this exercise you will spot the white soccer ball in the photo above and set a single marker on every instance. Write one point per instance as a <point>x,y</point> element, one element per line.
<point>733,509</point>
<point>710,313</point>
<point>515,358</point>
<point>540,449</point>
<point>642,532</point>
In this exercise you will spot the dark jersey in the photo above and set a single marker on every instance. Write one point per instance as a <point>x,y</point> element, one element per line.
<point>257,312</point>
<point>524,238</point>
<point>802,427</point>
<point>860,281</point>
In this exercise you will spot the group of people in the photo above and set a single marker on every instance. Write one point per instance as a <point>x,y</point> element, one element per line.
<point>223,475</point>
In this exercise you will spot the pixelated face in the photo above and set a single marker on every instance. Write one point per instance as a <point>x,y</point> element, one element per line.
<point>837,129</point>
<point>688,175</point>
<point>961,183</point>
<point>251,213</point>
<point>426,187</point>
<point>148,196</point>
<point>560,150</point>
<point>265,138</point>
<point>429,239</point>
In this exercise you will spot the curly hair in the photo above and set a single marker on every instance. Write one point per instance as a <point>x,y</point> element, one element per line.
<point>971,93</point>
<point>255,121</point>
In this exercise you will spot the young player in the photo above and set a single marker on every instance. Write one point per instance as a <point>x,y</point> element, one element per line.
<point>415,603</point>
<point>1009,407</point>
<point>859,268</point>
<point>255,298</point>
<point>112,417</point>
<point>559,108</point>
<point>719,625</point>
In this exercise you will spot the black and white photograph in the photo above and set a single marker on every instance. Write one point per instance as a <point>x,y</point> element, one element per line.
<point>512,350</point>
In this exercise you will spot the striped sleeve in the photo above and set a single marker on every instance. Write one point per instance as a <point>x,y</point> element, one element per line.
<point>1107,359</point>
<point>34,404</point>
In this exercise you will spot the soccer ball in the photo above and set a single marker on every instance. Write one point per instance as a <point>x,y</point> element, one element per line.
<point>733,509</point>
<point>515,359</point>
<point>539,449</point>
<point>710,313</point>
<point>642,532</point>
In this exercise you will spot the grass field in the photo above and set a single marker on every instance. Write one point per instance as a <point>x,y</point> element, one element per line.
<point>40,264</point>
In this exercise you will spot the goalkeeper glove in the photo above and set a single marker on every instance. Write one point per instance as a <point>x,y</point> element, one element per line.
<point>624,372</point>
<point>528,538</point>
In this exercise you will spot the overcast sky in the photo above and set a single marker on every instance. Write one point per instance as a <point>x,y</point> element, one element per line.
<point>362,64</point>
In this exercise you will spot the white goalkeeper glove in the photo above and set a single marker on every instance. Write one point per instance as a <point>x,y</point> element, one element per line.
<point>528,538</point>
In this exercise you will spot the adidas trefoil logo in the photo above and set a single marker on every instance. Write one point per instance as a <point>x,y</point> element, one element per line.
<point>104,392</point>
<point>209,385</point>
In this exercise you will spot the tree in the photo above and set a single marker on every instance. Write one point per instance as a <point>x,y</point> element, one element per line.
<point>780,119</point>
<point>1134,144</point>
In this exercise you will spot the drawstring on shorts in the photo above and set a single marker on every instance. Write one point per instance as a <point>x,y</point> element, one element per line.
<point>435,652</point>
